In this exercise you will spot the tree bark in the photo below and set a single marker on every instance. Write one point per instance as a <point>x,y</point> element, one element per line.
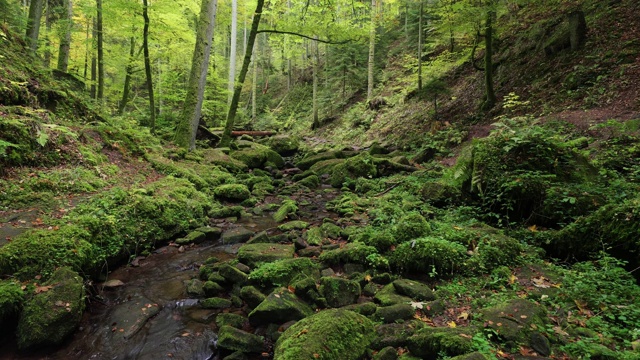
<point>316,69</point>
<point>420,46</point>
<point>490,95</point>
<point>65,38</point>
<point>147,67</point>
<point>188,124</point>
<point>94,63</point>
<point>372,45</point>
<point>254,86</point>
<point>127,78</point>
<point>33,24</point>
<point>232,53</point>
<point>100,51</point>
<point>231,115</point>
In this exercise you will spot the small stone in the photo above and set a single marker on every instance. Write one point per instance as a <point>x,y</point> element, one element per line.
<point>113,283</point>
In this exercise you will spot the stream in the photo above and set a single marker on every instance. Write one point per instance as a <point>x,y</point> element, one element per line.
<point>149,315</point>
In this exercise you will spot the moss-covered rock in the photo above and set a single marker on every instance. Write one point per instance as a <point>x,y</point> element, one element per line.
<point>362,165</point>
<point>252,296</point>
<point>232,274</point>
<point>256,254</point>
<point>388,353</point>
<point>285,145</point>
<point>350,253</point>
<point>414,289</point>
<point>230,319</point>
<point>338,291</point>
<point>233,192</point>
<point>307,162</point>
<point>429,255</point>
<point>54,312</point>
<point>234,339</point>
<point>194,237</point>
<point>311,181</point>
<point>11,300</point>
<point>212,288</point>
<point>294,225</point>
<point>429,342</point>
<point>388,296</point>
<point>330,334</point>
<point>281,272</point>
<point>288,207</point>
<point>395,335</point>
<point>279,307</point>
<point>515,319</point>
<point>411,226</point>
<point>212,156</point>
<point>236,235</point>
<point>394,313</point>
<point>215,303</point>
<point>257,156</point>
<point>314,236</point>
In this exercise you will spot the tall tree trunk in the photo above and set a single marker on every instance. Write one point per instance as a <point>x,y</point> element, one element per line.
<point>490,95</point>
<point>372,45</point>
<point>127,78</point>
<point>33,24</point>
<point>316,70</point>
<point>232,54</point>
<point>86,51</point>
<point>420,46</point>
<point>254,87</point>
<point>192,109</point>
<point>49,19</point>
<point>231,115</point>
<point>94,63</point>
<point>100,51</point>
<point>65,38</point>
<point>147,67</point>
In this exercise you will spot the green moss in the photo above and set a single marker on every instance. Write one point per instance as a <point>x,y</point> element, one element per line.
<point>411,226</point>
<point>294,225</point>
<point>236,192</point>
<point>307,162</point>
<point>11,299</point>
<point>351,253</point>
<point>281,272</point>
<point>362,165</point>
<point>257,156</point>
<point>330,334</point>
<point>450,341</point>
<point>314,236</point>
<point>429,255</point>
<point>287,208</point>
<point>285,145</point>
<point>215,303</point>
<point>339,292</point>
<point>50,316</point>
<point>255,254</point>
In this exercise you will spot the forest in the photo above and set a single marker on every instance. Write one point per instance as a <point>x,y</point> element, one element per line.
<point>320,179</point>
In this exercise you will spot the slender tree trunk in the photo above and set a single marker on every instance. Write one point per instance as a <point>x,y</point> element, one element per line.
<point>147,67</point>
<point>65,38</point>
<point>490,96</point>
<point>406,22</point>
<point>316,70</point>
<point>48,21</point>
<point>100,52</point>
<point>33,24</point>
<point>192,109</point>
<point>127,78</point>
<point>254,86</point>
<point>420,46</point>
<point>372,45</point>
<point>232,55</point>
<point>231,115</point>
<point>94,63</point>
<point>86,51</point>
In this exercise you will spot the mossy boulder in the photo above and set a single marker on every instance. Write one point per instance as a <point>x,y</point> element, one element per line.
<point>515,319</point>
<point>232,192</point>
<point>325,167</point>
<point>230,319</point>
<point>215,303</point>
<point>234,339</point>
<point>330,334</point>
<point>308,161</point>
<point>218,157</point>
<point>279,307</point>
<point>294,225</point>
<point>414,289</point>
<point>54,312</point>
<point>288,207</point>
<point>429,255</point>
<point>338,291</point>
<point>232,274</point>
<point>236,235</point>
<point>282,272</point>
<point>257,156</point>
<point>394,313</point>
<point>252,296</point>
<point>212,288</point>
<point>194,237</point>
<point>11,300</point>
<point>395,334</point>
<point>355,252</point>
<point>430,342</point>
<point>311,181</point>
<point>388,296</point>
<point>411,226</point>
<point>285,145</point>
<point>362,165</point>
<point>314,236</point>
<point>256,254</point>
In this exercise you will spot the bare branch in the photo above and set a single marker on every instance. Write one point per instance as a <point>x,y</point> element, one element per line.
<point>306,37</point>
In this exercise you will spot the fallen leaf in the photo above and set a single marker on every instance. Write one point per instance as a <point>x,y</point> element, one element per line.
<point>41,289</point>
<point>523,316</point>
<point>417,304</point>
<point>463,316</point>
<point>466,336</point>
<point>452,324</point>
<point>367,278</point>
<point>512,279</point>
<point>533,228</point>
<point>558,330</point>
<point>185,334</point>
<point>317,356</point>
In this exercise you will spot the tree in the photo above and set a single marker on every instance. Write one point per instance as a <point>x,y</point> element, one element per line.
<point>192,108</point>
<point>233,108</point>
<point>372,51</point>
<point>33,24</point>
<point>147,67</point>
<point>65,37</point>
<point>100,43</point>
<point>127,79</point>
<point>232,53</point>
<point>420,45</point>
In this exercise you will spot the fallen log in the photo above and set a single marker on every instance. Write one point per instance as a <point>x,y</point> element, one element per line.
<point>238,133</point>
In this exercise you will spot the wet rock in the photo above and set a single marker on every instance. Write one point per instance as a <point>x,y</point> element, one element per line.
<point>366,308</point>
<point>252,296</point>
<point>300,243</point>
<point>514,319</point>
<point>211,233</point>
<point>233,275</point>
<point>194,287</point>
<point>132,315</point>
<point>215,303</point>
<point>236,235</point>
<point>113,283</point>
<point>234,339</point>
<point>279,307</point>
<point>53,313</point>
<point>230,319</point>
<point>212,288</point>
<point>294,225</point>
<point>338,291</point>
<point>388,353</point>
<point>394,313</point>
<point>232,192</point>
<point>540,344</point>
<point>195,237</point>
<point>260,238</point>
<point>427,342</point>
<point>414,289</point>
<point>388,296</point>
<point>329,334</point>
<point>238,355</point>
<point>254,254</point>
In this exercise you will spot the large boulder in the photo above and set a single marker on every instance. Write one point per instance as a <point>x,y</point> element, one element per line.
<point>11,300</point>
<point>431,342</point>
<point>234,339</point>
<point>256,254</point>
<point>339,292</point>
<point>330,334</point>
<point>515,320</point>
<point>279,307</point>
<point>257,156</point>
<point>54,312</point>
<point>285,145</point>
<point>362,165</point>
